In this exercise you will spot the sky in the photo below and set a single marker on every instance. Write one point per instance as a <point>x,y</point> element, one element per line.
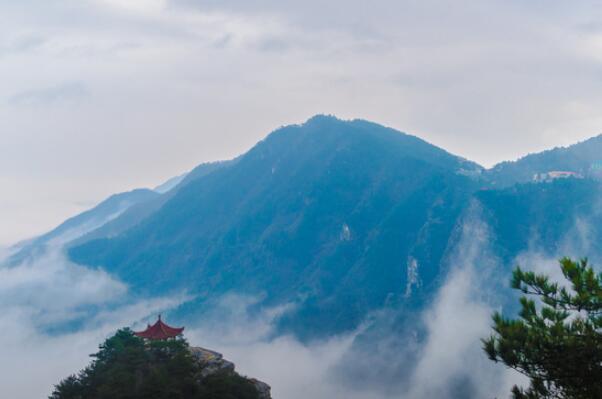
<point>103,96</point>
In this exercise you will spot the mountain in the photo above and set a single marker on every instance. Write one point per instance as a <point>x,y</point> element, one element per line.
<point>333,225</point>
<point>170,184</point>
<point>334,216</point>
<point>90,220</point>
<point>140,211</point>
<point>584,158</point>
<point>559,218</point>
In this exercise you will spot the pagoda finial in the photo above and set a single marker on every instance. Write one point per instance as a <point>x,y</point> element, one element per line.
<point>159,316</point>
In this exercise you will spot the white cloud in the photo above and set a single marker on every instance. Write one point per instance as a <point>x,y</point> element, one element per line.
<point>53,314</point>
<point>145,7</point>
<point>295,370</point>
<point>450,362</point>
<point>438,355</point>
<point>68,91</point>
<point>481,79</point>
<point>33,361</point>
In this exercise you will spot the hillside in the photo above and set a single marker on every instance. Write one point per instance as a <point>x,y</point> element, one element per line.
<point>557,218</point>
<point>338,218</point>
<point>88,221</point>
<point>331,215</point>
<point>135,214</point>
<point>584,158</point>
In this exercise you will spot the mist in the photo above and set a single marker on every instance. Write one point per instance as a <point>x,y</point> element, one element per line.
<point>452,363</point>
<point>436,353</point>
<point>55,313</point>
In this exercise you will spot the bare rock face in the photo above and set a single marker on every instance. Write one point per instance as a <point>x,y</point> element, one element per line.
<point>264,390</point>
<point>212,362</point>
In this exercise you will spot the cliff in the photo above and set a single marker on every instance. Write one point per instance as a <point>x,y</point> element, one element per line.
<point>213,363</point>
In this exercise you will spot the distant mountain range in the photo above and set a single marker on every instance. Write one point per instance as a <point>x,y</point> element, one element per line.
<point>339,218</point>
<point>85,222</point>
<point>584,158</point>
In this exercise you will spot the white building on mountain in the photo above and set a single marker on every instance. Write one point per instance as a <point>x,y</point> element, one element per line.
<point>555,175</point>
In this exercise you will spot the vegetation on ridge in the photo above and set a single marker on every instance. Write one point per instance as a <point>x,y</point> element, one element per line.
<point>127,367</point>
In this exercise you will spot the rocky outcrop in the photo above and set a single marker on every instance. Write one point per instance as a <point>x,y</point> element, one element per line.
<point>212,362</point>
<point>264,390</point>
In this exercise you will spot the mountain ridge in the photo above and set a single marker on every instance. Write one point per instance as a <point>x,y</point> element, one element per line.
<point>581,157</point>
<point>84,222</point>
<point>315,198</point>
<point>330,213</point>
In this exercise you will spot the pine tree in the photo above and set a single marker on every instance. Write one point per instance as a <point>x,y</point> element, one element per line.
<point>557,339</point>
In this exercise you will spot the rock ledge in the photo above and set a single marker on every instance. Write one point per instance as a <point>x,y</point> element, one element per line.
<point>212,362</point>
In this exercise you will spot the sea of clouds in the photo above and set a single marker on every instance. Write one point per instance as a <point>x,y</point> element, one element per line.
<point>54,313</point>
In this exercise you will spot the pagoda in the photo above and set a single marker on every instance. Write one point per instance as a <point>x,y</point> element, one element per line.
<point>159,331</point>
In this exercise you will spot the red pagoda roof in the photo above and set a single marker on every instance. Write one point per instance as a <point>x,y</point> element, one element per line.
<point>159,330</point>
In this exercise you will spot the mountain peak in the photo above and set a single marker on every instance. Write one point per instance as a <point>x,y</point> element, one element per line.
<point>327,134</point>
<point>322,118</point>
<point>582,158</point>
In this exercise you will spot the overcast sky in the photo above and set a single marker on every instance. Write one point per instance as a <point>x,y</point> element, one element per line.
<point>101,96</point>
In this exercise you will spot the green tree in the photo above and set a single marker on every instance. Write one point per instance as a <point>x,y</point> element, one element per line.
<point>557,339</point>
<point>127,367</point>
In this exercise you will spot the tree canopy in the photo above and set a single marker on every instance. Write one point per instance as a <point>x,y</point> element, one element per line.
<point>127,367</point>
<point>557,339</point>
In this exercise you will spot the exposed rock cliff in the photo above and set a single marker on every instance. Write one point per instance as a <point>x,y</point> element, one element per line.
<point>212,362</point>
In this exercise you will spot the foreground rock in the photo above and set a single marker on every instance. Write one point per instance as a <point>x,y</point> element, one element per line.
<point>212,363</point>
